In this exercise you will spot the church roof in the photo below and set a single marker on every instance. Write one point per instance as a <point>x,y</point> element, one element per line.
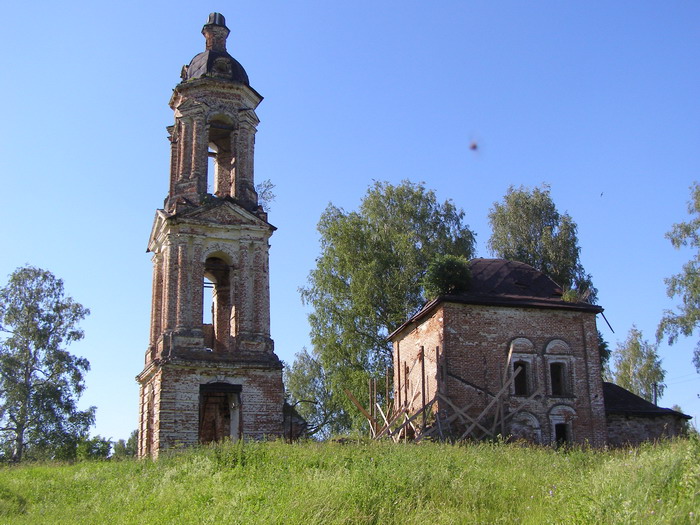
<point>500,277</point>
<point>499,282</point>
<point>217,64</point>
<point>215,61</point>
<point>503,282</point>
<point>621,401</point>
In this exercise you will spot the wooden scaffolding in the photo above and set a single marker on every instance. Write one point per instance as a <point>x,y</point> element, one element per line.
<point>440,418</point>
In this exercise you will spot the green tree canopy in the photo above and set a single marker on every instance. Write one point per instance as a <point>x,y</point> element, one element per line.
<point>40,382</point>
<point>446,274</point>
<point>127,448</point>
<point>527,227</point>
<point>686,284</point>
<point>368,280</point>
<point>306,380</point>
<point>638,367</point>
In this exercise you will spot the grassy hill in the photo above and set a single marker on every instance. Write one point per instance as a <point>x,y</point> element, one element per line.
<point>364,483</point>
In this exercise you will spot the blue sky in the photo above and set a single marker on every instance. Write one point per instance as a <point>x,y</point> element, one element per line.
<point>597,99</point>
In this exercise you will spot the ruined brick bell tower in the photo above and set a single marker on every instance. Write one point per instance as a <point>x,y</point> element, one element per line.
<point>210,372</point>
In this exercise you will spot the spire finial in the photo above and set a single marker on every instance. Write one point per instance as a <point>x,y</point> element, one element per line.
<point>216,32</point>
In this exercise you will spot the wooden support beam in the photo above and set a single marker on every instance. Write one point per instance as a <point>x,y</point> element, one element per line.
<point>493,402</point>
<point>522,404</point>
<point>387,428</point>
<point>410,420</point>
<point>461,412</point>
<point>372,422</point>
<point>386,423</point>
<point>394,419</point>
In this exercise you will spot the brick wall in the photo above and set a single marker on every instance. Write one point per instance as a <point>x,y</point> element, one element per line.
<point>473,343</point>
<point>174,394</point>
<point>633,430</point>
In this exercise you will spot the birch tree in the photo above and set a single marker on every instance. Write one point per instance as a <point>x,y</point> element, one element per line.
<point>40,382</point>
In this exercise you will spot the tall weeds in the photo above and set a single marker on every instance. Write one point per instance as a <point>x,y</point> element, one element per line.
<point>364,483</point>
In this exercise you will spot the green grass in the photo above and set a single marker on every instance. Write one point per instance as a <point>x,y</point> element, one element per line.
<point>364,483</point>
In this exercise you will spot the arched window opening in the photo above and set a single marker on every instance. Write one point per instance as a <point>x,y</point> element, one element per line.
<point>557,373</point>
<point>216,334</point>
<point>211,170</point>
<point>208,313</point>
<point>208,301</point>
<point>525,426</point>
<point>562,428</point>
<point>520,383</point>
<point>220,154</point>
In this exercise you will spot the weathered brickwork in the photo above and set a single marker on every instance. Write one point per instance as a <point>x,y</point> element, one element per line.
<point>632,419</point>
<point>468,352</point>
<point>633,430</point>
<point>220,379</point>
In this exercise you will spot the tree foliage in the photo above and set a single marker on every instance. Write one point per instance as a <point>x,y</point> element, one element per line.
<point>266,194</point>
<point>638,367</point>
<point>368,280</point>
<point>40,382</point>
<point>527,227</point>
<point>127,448</point>
<point>446,274</point>
<point>686,284</point>
<point>92,448</point>
<point>306,381</point>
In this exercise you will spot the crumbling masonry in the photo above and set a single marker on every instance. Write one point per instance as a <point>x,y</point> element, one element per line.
<point>209,379</point>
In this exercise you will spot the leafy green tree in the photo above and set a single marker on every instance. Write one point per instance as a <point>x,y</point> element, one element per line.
<point>686,428</point>
<point>686,284</point>
<point>605,353</point>
<point>129,448</point>
<point>446,274</point>
<point>638,367</point>
<point>527,227</point>
<point>94,448</point>
<point>40,382</point>
<point>368,280</point>
<point>305,381</point>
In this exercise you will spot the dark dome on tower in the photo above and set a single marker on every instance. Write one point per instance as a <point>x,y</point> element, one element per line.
<point>215,62</point>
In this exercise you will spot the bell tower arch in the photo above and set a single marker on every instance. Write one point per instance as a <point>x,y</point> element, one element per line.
<point>210,239</point>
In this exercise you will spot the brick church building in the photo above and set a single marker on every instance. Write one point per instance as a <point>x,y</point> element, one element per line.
<point>510,356</point>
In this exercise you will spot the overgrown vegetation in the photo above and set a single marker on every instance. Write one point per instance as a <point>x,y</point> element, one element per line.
<point>368,280</point>
<point>364,483</point>
<point>446,274</point>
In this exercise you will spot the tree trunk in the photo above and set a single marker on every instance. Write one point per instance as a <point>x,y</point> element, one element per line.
<point>18,449</point>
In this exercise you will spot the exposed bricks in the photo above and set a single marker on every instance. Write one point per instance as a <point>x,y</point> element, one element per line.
<point>466,348</point>
<point>223,236</point>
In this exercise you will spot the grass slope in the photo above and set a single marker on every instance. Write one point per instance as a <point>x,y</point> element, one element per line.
<point>364,483</point>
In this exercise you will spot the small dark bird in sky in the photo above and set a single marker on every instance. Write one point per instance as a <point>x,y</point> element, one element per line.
<point>601,193</point>
<point>473,145</point>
